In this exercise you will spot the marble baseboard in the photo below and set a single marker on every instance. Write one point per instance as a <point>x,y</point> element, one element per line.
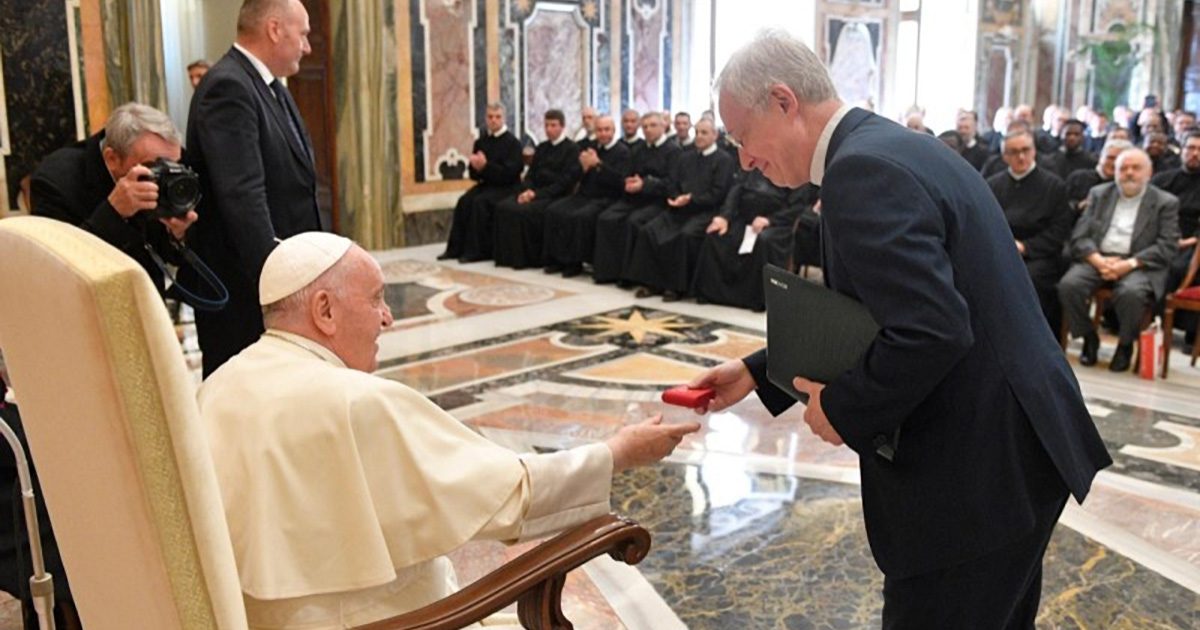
<point>430,226</point>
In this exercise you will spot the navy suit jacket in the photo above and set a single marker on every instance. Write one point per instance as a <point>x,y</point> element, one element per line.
<point>259,184</point>
<point>964,384</point>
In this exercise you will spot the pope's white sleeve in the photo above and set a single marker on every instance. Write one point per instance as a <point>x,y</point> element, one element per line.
<point>559,490</point>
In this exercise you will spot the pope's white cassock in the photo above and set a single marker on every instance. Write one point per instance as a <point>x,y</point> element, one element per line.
<point>343,490</point>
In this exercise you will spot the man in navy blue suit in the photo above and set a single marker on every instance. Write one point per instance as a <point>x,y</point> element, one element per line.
<point>969,424</point>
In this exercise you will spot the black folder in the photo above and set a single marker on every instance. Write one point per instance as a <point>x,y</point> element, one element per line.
<point>812,331</point>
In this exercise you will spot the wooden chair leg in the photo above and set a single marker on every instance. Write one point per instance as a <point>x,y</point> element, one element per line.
<point>1168,327</point>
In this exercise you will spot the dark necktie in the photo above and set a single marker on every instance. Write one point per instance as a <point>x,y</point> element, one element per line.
<point>281,96</point>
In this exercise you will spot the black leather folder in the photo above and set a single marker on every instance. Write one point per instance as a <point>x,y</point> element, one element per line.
<point>812,331</point>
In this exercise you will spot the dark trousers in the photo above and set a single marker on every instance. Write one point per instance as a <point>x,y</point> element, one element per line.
<point>1132,295</point>
<point>1001,590</point>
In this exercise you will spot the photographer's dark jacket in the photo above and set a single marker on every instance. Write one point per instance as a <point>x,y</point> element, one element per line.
<point>72,185</point>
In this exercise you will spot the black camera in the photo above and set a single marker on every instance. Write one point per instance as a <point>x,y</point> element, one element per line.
<point>178,188</point>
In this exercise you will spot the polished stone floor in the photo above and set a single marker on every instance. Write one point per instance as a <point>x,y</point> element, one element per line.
<point>756,523</point>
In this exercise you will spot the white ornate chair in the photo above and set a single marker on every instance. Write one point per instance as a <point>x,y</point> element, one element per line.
<point>109,410</point>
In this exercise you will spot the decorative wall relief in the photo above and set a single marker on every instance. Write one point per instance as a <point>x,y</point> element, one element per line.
<point>648,60</point>
<point>449,27</point>
<point>853,58</point>
<point>555,65</point>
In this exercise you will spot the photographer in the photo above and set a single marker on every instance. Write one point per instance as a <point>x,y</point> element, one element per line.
<point>103,185</point>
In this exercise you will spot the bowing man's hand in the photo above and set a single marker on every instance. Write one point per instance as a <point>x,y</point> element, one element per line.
<point>730,382</point>
<point>814,414</point>
<point>647,442</point>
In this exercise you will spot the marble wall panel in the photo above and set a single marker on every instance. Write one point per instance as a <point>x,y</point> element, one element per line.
<point>449,28</point>
<point>648,25</point>
<point>37,85</point>
<point>556,65</point>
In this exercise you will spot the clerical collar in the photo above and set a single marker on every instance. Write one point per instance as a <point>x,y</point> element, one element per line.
<point>661,141</point>
<point>712,148</point>
<point>816,171</point>
<point>503,130</point>
<point>263,70</point>
<point>687,143</point>
<point>972,143</point>
<point>304,343</point>
<point>612,143</point>
<point>558,141</point>
<point>1022,175</point>
<point>630,139</point>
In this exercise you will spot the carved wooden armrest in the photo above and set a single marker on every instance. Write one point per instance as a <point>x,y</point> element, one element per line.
<point>534,580</point>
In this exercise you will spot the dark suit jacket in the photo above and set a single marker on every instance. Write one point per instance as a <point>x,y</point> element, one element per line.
<point>964,369</point>
<point>73,184</point>
<point>1155,232</point>
<point>259,184</point>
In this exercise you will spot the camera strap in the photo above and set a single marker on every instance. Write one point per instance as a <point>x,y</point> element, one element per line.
<point>206,274</point>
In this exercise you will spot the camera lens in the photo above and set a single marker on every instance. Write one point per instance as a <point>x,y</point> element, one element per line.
<point>183,192</point>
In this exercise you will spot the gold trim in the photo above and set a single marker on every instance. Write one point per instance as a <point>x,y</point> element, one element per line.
<point>111,283</point>
<point>615,23</point>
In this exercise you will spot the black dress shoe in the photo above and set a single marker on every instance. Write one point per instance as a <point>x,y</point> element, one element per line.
<point>1091,345</point>
<point>470,259</point>
<point>624,284</point>
<point>671,296</point>
<point>570,271</point>
<point>447,256</point>
<point>552,269</point>
<point>1121,358</point>
<point>643,292</point>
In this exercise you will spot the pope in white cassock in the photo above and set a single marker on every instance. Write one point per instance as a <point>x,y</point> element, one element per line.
<point>344,491</point>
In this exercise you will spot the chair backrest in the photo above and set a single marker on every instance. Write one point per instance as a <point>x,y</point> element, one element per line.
<point>109,410</point>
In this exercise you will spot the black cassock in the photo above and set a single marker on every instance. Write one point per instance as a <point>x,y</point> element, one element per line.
<point>519,226</point>
<point>1037,213</point>
<point>1064,163</point>
<point>665,249</point>
<point>570,231</point>
<point>617,224</point>
<point>806,233</point>
<point>1185,186</point>
<point>471,228</point>
<point>723,276</point>
<point>1078,184</point>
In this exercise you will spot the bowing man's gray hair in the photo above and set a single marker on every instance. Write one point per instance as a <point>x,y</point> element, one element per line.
<point>128,122</point>
<point>774,57</point>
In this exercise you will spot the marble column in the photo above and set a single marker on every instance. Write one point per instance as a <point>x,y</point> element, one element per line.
<point>39,108</point>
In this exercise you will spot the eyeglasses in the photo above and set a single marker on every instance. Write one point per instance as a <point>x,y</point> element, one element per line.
<point>1015,152</point>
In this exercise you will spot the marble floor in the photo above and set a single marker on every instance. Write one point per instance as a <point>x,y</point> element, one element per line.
<point>755,522</point>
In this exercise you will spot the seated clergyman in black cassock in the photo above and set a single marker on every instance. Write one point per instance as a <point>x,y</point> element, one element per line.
<point>1071,156</point>
<point>1034,203</point>
<point>757,216</point>
<point>570,232</point>
<point>495,165</point>
<point>974,149</point>
<point>1080,183</point>
<point>663,256</point>
<point>1184,183</point>
<point>631,121</point>
<point>646,191</point>
<point>519,221</point>
<point>996,164</point>
<point>1162,158</point>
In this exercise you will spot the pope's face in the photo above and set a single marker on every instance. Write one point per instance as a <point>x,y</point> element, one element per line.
<point>360,312</point>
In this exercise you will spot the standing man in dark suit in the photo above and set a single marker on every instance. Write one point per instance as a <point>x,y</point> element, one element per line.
<point>968,422</point>
<point>255,160</point>
<point>1126,239</point>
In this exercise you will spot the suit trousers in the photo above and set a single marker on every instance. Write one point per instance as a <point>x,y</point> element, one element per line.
<point>1132,295</point>
<point>999,590</point>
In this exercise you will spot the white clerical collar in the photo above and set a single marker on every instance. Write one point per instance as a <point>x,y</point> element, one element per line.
<point>1022,175</point>
<point>630,139</point>
<point>816,171</point>
<point>661,141</point>
<point>612,143</point>
<point>972,143</point>
<point>558,141</point>
<point>687,143</point>
<point>500,132</point>
<point>263,70</point>
<point>712,148</point>
<point>323,353</point>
